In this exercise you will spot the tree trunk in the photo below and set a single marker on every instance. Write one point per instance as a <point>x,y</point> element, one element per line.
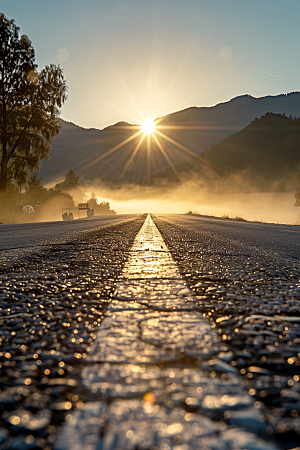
<point>3,176</point>
<point>4,161</point>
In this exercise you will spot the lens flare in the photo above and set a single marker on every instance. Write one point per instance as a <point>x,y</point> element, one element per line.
<point>148,126</point>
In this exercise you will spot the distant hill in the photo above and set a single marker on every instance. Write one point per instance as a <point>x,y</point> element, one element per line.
<point>95,153</point>
<point>264,154</point>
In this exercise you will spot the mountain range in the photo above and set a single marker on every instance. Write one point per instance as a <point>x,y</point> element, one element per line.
<point>99,154</point>
<point>264,155</point>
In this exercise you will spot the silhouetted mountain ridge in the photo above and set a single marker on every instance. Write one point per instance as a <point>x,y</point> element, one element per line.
<point>266,153</point>
<point>98,154</point>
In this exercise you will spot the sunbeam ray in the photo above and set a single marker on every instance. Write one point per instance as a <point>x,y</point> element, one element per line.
<point>120,76</point>
<point>165,154</point>
<point>112,150</point>
<point>123,111</point>
<point>167,138</point>
<point>148,154</point>
<point>177,72</point>
<point>80,166</point>
<point>194,127</point>
<point>133,155</point>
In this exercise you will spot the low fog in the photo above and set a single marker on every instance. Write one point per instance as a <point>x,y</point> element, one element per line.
<point>189,196</point>
<point>273,207</point>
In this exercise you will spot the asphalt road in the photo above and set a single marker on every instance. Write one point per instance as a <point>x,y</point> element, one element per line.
<point>51,305</point>
<point>276,239</point>
<point>246,280</point>
<point>82,284</point>
<point>19,240</point>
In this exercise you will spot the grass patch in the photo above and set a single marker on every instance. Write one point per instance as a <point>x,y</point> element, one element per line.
<point>224,216</point>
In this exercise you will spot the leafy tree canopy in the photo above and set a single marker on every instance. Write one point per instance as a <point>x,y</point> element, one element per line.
<point>99,208</point>
<point>30,103</point>
<point>34,183</point>
<point>297,197</point>
<point>37,194</point>
<point>70,182</point>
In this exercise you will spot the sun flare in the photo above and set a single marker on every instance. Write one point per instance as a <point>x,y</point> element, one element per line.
<point>148,126</point>
<point>147,134</point>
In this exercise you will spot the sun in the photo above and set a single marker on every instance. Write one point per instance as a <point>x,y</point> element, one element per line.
<point>149,132</point>
<point>148,126</point>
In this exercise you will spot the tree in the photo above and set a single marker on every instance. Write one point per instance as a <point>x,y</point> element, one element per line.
<point>30,103</point>
<point>297,197</point>
<point>99,208</point>
<point>70,182</point>
<point>35,192</point>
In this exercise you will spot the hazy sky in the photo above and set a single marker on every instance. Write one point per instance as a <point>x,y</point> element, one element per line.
<point>124,59</point>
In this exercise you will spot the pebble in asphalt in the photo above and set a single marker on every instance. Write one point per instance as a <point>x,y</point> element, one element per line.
<point>159,375</point>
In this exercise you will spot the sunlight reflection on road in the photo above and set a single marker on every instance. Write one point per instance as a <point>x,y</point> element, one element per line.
<point>150,364</point>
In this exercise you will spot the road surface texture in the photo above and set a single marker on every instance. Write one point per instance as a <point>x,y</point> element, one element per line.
<point>51,304</point>
<point>247,280</point>
<point>19,240</point>
<point>174,333</point>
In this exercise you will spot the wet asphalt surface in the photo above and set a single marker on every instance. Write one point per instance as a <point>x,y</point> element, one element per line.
<point>19,240</point>
<point>245,280</point>
<point>51,304</point>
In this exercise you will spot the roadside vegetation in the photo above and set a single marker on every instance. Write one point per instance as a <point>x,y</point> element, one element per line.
<point>224,216</point>
<point>37,202</point>
<point>30,105</point>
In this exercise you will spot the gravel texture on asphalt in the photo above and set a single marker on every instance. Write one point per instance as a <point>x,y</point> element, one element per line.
<point>148,384</point>
<point>251,296</point>
<point>199,354</point>
<point>51,305</point>
<point>22,239</point>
